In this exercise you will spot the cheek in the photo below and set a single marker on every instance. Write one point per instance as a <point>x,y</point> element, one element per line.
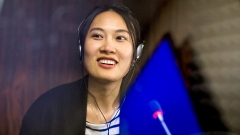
<point>127,62</point>
<point>90,49</point>
<point>89,55</point>
<point>127,56</point>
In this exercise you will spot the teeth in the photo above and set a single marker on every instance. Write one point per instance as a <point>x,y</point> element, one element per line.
<point>109,62</point>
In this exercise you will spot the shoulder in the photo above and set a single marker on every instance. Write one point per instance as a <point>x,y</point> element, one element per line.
<point>62,90</point>
<point>60,95</point>
<point>54,106</point>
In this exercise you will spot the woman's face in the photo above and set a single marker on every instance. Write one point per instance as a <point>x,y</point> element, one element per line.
<point>108,47</point>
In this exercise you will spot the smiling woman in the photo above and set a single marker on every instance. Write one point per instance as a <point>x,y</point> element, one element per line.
<point>108,39</point>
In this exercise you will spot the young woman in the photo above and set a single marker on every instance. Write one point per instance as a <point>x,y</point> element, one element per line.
<point>108,40</point>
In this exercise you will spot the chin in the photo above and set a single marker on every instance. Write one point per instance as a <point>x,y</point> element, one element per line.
<point>112,78</point>
<point>108,78</point>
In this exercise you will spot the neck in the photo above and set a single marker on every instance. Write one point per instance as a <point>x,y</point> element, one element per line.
<point>106,94</point>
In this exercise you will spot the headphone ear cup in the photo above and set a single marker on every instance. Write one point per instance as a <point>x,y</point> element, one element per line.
<point>79,41</point>
<point>139,51</point>
<point>80,51</point>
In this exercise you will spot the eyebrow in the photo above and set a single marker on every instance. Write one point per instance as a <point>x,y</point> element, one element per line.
<point>96,29</point>
<point>122,30</point>
<point>100,29</point>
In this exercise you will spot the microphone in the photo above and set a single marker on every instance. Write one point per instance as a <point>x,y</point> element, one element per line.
<point>158,113</point>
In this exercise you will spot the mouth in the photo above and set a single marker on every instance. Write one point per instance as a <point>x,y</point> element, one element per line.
<point>107,61</point>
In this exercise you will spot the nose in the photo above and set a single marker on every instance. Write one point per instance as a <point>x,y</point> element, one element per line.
<point>108,47</point>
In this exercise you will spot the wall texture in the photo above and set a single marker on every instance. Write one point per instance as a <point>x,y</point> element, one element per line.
<point>216,41</point>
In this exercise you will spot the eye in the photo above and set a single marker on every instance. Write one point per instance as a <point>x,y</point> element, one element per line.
<point>97,36</point>
<point>121,38</point>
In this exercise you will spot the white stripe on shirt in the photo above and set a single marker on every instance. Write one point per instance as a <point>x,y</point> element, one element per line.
<point>102,129</point>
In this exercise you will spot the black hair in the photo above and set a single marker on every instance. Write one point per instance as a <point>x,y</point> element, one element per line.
<point>131,22</point>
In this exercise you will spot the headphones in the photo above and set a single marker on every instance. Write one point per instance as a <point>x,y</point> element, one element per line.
<point>137,52</point>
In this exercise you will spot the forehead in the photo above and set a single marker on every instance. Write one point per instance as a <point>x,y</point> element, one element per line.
<point>109,19</point>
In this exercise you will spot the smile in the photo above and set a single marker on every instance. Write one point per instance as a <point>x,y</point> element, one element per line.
<point>108,62</point>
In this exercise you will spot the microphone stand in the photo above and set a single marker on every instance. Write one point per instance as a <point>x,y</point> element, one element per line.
<point>160,117</point>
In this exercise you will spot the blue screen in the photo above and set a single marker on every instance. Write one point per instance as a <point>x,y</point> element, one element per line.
<point>161,80</point>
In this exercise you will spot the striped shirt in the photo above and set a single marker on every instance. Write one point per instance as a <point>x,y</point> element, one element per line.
<point>102,129</point>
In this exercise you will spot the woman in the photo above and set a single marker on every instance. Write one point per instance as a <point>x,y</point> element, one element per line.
<point>108,37</point>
